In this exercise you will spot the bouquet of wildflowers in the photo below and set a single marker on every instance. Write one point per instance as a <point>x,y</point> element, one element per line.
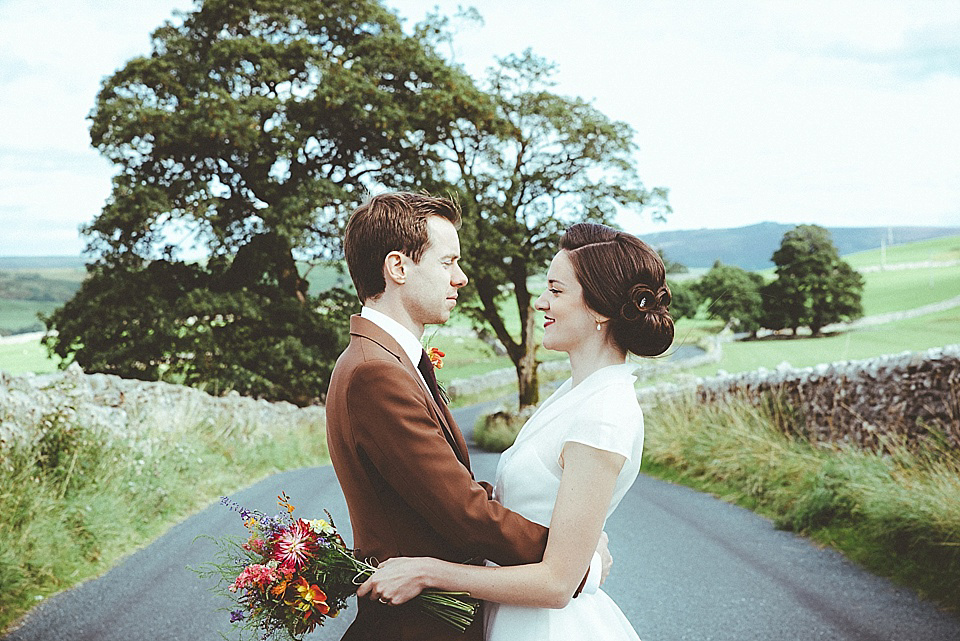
<point>291,574</point>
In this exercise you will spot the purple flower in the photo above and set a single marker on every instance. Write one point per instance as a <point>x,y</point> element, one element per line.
<point>245,514</point>
<point>237,615</point>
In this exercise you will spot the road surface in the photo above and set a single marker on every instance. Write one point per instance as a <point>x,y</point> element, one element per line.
<point>687,567</point>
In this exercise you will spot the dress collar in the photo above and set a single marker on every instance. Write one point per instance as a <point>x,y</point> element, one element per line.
<point>567,395</point>
<point>608,373</point>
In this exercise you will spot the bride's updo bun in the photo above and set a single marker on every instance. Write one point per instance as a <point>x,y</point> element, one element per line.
<point>623,279</point>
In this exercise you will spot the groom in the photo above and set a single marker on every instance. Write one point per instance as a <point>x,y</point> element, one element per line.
<point>399,456</point>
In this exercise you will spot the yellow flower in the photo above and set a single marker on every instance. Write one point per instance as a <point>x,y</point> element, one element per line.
<point>320,526</point>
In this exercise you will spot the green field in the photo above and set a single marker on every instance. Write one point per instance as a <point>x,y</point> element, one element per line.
<point>325,277</point>
<point>942,249</point>
<point>27,289</point>
<point>20,316</point>
<point>73,275</point>
<point>891,291</point>
<point>924,332</point>
<point>20,358</point>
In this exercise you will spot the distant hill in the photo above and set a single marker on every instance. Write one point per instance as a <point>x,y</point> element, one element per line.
<point>32,284</point>
<point>752,247</point>
<point>41,262</point>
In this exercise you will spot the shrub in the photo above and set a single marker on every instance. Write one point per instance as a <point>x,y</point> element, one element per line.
<point>497,431</point>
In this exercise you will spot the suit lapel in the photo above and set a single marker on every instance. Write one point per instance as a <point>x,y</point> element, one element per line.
<point>459,444</point>
<point>450,429</point>
<point>362,327</point>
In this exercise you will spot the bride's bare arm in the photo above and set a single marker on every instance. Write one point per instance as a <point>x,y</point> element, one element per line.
<point>586,487</point>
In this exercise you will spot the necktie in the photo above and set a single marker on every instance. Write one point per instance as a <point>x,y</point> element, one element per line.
<point>426,368</point>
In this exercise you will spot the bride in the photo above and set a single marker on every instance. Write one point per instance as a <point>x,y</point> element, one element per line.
<point>577,456</point>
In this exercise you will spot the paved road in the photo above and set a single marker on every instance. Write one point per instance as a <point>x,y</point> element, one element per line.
<point>687,568</point>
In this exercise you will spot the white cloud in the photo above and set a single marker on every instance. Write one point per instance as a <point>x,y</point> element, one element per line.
<point>841,113</point>
<point>830,112</point>
<point>53,57</point>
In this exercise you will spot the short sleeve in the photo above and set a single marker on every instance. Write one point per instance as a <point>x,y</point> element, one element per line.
<point>612,424</point>
<point>624,439</point>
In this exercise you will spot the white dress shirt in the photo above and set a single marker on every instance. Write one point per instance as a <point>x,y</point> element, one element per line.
<point>408,342</point>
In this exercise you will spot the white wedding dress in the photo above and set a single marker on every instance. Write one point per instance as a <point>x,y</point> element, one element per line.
<point>602,411</point>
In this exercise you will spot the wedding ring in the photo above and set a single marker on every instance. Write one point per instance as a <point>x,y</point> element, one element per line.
<point>384,601</point>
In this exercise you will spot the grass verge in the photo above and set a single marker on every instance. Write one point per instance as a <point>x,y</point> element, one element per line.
<point>75,499</point>
<point>897,514</point>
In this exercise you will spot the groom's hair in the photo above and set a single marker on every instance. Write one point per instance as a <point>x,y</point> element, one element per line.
<point>395,221</point>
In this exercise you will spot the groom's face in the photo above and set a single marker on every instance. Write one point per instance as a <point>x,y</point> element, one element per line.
<point>433,283</point>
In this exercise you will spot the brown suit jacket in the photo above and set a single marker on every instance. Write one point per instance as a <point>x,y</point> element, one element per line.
<point>404,469</point>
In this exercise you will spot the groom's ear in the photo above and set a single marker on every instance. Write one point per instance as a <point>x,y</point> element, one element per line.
<point>394,268</point>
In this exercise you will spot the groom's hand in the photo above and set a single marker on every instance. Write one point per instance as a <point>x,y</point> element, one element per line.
<point>606,560</point>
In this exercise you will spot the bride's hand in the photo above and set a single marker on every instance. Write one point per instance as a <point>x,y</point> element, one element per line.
<point>397,580</point>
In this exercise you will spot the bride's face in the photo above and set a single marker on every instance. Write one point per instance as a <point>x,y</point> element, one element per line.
<point>567,319</point>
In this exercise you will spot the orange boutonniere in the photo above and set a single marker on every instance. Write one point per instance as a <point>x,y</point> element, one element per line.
<point>436,357</point>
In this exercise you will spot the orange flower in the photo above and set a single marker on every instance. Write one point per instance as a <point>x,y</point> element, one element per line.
<point>284,501</point>
<point>279,588</point>
<point>313,595</point>
<point>309,599</point>
<point>436,357</point>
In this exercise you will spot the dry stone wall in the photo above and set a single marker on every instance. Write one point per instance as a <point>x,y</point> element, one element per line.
<point>860,402</point>
<point>125,408</point>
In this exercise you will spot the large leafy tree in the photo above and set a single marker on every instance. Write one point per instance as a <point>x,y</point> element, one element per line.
<point>814,286</point>
<point>189,324</point>
<point>539,162</point>
<point>684,300</point>
<point>248,134</point>
<point>733,294</point>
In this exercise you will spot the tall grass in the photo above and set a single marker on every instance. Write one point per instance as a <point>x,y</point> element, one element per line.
<point>74,499</point>
<point>897,513</point>
<point>497,431</point>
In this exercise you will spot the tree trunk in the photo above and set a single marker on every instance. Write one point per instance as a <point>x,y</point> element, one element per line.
<point>522,352</point>
<point>527,378</point>
<point>527,381</point>
<point>267,253</point>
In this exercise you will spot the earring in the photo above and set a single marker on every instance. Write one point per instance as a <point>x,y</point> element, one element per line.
<point>598,326</point>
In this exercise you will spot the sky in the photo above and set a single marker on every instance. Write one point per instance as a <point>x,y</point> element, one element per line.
<point>842,114</point>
